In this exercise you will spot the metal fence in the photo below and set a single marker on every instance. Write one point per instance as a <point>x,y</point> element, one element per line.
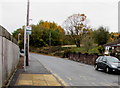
<point>9,55</point>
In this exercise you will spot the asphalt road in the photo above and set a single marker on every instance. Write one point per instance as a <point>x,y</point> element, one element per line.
<point>75,73</point>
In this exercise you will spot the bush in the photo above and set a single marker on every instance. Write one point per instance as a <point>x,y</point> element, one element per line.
<point>93,50</point>
<point>101,49</point>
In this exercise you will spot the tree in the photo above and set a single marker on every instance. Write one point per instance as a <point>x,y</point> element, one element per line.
<point>88,42</point>
<point>52,37</point>
<point>36,36</point>
<point>45,33</point>
<point>101,36</point>
<point>75,27</point>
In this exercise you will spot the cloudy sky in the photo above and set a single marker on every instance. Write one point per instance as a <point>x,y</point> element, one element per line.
<point>98,12</point>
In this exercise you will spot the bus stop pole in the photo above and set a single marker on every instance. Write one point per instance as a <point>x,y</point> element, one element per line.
<point>24,48</point>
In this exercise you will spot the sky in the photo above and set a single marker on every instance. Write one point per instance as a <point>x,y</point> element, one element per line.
<point>98,12</point>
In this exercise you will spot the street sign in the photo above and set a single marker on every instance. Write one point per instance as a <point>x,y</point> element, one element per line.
<point>28,30</point>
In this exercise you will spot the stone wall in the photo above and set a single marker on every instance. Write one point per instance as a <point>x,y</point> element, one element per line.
<point>83,58</point>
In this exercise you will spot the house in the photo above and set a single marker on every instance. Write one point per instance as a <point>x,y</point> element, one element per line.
<point>112,48</point>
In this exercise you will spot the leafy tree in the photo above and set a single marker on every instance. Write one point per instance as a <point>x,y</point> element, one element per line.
<point>45,33</point>
<point>52,37</point>
<point>101,36</point>
<point>75,27</point>
<point>36,36</point>
<point>88,42</point>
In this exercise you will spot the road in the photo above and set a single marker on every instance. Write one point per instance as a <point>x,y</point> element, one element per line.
<point>75,73</point>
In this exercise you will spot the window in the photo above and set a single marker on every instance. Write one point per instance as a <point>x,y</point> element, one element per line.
<point>104,59</point>
<point>100,59</point>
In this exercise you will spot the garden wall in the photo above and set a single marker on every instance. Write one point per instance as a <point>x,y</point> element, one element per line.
<point>83,58</point>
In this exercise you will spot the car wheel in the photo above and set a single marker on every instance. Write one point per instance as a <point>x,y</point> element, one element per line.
<point>108,70</point>
<point>96,67</point>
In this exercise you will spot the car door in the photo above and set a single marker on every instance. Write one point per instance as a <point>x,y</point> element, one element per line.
<point>100,62</point>
<point>103,63</point>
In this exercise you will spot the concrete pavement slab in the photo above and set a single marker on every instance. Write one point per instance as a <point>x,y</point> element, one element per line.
<point>37,80</point>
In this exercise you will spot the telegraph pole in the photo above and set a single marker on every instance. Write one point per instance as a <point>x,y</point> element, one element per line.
<point>28,6</point>
<point>27,36</point>
<point>26,39</point>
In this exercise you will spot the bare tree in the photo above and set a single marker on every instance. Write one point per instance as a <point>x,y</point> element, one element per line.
<point>75,27</point>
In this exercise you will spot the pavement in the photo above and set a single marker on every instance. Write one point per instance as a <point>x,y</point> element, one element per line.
<point>36,75</point>
<point>37,80</point>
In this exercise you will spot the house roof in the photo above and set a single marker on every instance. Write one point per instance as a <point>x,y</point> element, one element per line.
<point>115,43</point>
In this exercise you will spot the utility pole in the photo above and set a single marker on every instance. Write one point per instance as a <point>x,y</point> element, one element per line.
<point>27,36</point>
<point>28,6</point>
<point>26,40</point>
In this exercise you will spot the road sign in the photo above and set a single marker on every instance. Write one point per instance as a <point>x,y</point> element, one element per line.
<point>28,30</point>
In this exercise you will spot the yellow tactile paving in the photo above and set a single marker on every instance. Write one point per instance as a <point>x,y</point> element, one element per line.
<point>39,83</point>
<point>51,83</point>
<point>49,78</point>
<point>37,80</point>
<point>25,82</point>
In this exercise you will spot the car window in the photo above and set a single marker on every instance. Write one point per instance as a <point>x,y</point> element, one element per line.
<point>113,59</point>
<point>104,59</point>
<point>100,59</point>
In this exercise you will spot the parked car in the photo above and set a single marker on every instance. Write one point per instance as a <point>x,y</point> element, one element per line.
<point>107,63</point>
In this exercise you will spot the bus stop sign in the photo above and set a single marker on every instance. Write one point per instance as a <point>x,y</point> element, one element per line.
<point>28,30</point>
